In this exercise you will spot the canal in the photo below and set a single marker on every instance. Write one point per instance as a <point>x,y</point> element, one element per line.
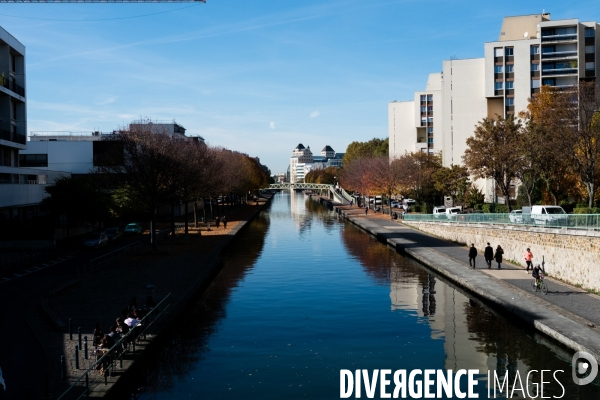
<point>303,295</point>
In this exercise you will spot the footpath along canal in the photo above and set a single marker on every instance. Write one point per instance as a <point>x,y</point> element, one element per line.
<point>303,295</point>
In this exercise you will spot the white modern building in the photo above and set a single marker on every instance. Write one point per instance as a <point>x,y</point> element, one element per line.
<point>21,189</point>
<point>531,51</point>
<point>303,161</point>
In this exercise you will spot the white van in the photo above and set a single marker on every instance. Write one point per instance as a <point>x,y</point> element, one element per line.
<point>439,212</point>
<point>452,211</point>
<point>549,215</point>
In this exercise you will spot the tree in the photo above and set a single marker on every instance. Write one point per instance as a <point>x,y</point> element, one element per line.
<point>491,152</point>
<point>572,120</point>
<point>381,176</point>
<point>416,175</point>
<point>452,181</point>
<point>325,176</point>
<point>371,149</point>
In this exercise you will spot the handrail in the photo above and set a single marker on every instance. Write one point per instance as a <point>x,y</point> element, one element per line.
<point>105,258</point>
<point>562,221</point>
<point>116,347</point>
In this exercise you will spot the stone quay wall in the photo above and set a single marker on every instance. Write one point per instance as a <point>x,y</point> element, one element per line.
<point>571,256</point>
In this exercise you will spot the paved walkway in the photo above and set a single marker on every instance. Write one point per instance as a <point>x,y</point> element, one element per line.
<point>509,286</point>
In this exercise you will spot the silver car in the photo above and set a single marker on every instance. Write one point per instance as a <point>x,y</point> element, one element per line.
<point>96,239</point>
<point>516,216</point>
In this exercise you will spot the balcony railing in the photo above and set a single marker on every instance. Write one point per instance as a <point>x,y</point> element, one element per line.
<point>12,137</point>
<point>560,71</point>
<point>12,85</point>
<point>560,54</point>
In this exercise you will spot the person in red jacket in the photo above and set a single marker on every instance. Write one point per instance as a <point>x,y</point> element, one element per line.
<point>528,259</point>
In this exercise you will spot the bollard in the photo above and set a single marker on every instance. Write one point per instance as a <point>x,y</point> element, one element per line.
<point>70,330</point>
<point>87,386</point>
<point>79,337</point>
<point>85,348</point>
<point>46,385</point>
<point>76,357</point>
<point>62,368</point>
<point>133,342</point>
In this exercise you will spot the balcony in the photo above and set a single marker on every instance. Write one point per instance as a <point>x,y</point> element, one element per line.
<point>535,74</point>
<point>559,54</point>
<point>12,137</point>
<point>560,71</point>
<point>498,92</point>
<point>535,57</point>
<point>562,38</point>
<point>11,85</point>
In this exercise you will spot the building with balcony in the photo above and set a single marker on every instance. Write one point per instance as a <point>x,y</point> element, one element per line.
<point>531,51</point>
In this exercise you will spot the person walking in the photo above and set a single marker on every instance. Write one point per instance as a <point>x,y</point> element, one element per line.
<point>488,255</point>
<point>224,222</point>
<point>498,256</point>
<point>366,210</point>
<point>528,260</point>
<point>472,255</point>
<point>217,221</point>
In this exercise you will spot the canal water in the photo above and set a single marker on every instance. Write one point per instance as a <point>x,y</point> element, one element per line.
<point>303,295</point>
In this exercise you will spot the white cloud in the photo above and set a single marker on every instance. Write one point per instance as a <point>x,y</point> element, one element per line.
<point>272,125</point>
<point>314,114</point>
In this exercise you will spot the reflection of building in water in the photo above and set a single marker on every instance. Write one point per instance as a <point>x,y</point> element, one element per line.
<point>298,210</point>
<point>444,310</point>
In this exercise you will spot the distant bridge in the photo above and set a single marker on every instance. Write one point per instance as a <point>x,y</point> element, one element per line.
<point>299,186</point>
<point>340,196</point>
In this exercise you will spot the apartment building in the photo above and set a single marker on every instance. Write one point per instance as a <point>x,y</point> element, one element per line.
<point>531,51</point>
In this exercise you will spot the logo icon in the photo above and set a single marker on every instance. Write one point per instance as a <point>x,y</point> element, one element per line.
<point>583,363</point>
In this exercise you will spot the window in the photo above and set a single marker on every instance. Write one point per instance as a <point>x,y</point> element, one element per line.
<point>497,85</point>
<point>535,67</point>
<point>510,101</point>
<point>498,69</point>
<point>589,32</point>
<point>13,63</point>
<point>549,81</point>
<point>429,97</point>
<point>510,85</point>
<point>423,98</point>
<point>535,49</point>
<point>429,130</point>
<point>590,65</point>
<point>547,49</point>
<point>423,109</point>
<point>509,51</point>
<point>510,68</point>
<point>430,140</point>
<point>590,50</point>
<point>535,83</point>
<point>430,109</point>
<point>498,52</point>
<point>430,120</point>
<point>33,160</point>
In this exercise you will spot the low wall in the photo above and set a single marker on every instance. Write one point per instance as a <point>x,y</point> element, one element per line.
<point>571,256</point>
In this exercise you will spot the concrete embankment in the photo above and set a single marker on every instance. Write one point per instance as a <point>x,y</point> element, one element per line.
<point>574,324</point>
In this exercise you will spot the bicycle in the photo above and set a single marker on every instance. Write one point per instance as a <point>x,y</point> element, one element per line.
<point>539,284</point>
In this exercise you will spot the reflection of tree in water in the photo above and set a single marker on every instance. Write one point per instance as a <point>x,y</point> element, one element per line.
<point>186,343</point>
<point>379,261</point>
<point>499,338</point>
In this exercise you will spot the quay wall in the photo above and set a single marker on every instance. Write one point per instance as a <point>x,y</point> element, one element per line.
<point>571,256</point>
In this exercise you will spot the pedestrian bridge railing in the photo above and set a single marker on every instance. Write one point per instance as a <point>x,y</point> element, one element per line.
<point>563,221</point>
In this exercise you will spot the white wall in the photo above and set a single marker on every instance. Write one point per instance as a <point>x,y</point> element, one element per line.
<point>401,128</point>
<point>73,157</point>
<point>464,105</point>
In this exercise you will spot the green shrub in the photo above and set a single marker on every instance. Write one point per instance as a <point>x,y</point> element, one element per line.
<point>498,208</point>
<point>586,210</point>
<point>478,207</point>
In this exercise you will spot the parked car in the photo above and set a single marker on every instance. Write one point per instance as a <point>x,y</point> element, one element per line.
<point>95,239</point>
<point>452,211</point>
<point>439,212</point>
<point>113,234</point>
<point>132,229</point>
<point>516,216</point>
<point>394,204</point>
<point>549,215</point>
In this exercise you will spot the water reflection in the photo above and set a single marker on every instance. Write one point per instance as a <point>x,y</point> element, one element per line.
<point>296,302</point>
<point>186,345</point>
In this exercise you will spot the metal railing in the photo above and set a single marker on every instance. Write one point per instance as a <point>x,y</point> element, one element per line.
<point>109,360</point>
<point>12,85</point>
<point>112,256</point>
<point>563,221</point>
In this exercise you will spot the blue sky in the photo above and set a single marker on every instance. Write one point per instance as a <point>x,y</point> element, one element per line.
<point>254,76</point>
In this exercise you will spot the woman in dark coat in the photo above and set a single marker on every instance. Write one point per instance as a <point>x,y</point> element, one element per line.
<point>498,256</point>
